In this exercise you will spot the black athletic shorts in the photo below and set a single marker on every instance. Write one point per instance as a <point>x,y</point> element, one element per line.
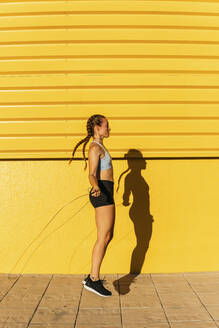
<point>106,195</point>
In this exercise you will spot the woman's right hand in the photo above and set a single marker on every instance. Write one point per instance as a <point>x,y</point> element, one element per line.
<point>95,191</point>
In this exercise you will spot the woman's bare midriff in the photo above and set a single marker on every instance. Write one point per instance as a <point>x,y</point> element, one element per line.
<point>105,174</point>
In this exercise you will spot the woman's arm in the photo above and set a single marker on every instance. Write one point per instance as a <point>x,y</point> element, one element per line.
<point>93,160</point>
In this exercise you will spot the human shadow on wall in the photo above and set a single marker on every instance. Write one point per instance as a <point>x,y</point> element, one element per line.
<point>139,213</point>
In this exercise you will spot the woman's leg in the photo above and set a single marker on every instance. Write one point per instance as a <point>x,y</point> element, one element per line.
<point>105,219</point>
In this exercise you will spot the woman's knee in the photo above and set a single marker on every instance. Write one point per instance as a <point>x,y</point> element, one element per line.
<point>109,236</point>
<point>106,238</point>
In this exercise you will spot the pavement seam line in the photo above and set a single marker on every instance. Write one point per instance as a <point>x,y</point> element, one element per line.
<point>39,301</point>
<point>160,301</point>
<point>200,299</point>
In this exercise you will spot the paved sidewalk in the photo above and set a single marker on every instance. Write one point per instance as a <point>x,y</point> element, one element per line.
<point>174,300</point>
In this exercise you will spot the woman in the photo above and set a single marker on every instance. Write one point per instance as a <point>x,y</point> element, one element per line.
<point>100,195</point>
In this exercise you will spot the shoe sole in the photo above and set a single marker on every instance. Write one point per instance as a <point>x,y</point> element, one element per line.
<point>84,282</point>
<point>94,291</point>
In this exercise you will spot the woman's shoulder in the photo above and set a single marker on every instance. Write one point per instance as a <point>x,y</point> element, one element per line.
<point>94,146</point>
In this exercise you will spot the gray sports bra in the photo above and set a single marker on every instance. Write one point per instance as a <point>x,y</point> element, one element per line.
<point>105,162</point>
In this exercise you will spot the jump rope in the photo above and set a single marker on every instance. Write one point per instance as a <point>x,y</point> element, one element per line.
<point>50,221</point>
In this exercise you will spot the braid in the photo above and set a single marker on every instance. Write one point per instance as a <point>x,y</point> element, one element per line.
<point>91,122</point>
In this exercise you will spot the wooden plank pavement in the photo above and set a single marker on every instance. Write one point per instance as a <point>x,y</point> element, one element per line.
<point>157,300</point>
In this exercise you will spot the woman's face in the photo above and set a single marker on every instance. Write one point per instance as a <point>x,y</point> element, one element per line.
<point>104,129</point>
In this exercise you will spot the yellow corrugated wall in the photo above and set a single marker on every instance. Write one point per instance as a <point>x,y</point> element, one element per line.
<point>152,68</point>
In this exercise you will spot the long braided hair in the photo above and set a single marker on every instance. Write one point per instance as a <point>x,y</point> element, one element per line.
<point>93,120</point>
